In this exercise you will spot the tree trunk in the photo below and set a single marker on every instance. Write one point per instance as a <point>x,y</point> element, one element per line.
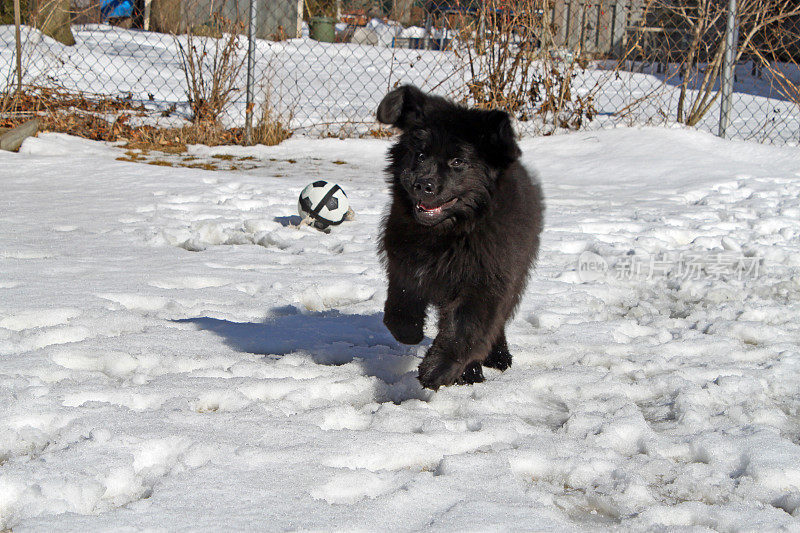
<point>166,16</point>
<point>53,18</point>
<point>401,11</point>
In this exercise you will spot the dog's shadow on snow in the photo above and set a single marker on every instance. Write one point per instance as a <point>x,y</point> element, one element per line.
<point>329,338</point>
<point>291,220</point>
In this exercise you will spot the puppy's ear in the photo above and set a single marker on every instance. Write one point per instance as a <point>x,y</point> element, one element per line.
<point>402,107</point>
<point>499,142</point>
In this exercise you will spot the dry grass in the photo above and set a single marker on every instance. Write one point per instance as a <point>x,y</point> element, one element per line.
<point>175,140</point>
<point>380,133</point>
<point>91,116</point>
<point>270,130</point>
<point>167,159</point>
<point>103,118</point>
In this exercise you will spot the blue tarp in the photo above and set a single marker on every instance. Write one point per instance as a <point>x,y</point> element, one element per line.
<point>116,8</point>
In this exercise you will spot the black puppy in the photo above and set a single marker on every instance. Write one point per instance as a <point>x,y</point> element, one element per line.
<point>461,234</point>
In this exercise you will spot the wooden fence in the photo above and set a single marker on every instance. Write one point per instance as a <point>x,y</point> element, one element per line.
<point>599,28</point>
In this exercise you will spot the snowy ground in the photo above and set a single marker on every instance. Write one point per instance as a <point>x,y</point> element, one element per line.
<point>176,355</point>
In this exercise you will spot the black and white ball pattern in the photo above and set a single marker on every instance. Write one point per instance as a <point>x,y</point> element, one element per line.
<point>325,203</point>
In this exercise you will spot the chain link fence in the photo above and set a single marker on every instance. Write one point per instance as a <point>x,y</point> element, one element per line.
<point>321,66</point>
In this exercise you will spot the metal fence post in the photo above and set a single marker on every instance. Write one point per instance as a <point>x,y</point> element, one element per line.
<point>18,41</point>
<point>251,63</point>
<point>726,84</point>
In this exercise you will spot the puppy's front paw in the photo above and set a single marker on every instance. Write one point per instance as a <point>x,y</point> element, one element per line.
<point>436,370</point>
<point>403,329</point>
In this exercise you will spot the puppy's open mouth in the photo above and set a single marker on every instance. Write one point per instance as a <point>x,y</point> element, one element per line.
<point>435,210</point>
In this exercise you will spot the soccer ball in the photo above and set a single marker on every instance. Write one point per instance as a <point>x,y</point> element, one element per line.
<point>323,203</point>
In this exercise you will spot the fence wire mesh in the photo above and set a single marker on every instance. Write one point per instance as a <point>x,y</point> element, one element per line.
<point>322,66</point>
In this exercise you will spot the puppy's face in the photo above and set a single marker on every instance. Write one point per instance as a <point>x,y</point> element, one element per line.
<point>448,157</point>
<point>442,175</point>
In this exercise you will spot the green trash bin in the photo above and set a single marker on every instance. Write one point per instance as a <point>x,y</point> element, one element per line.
<point>323,29</point>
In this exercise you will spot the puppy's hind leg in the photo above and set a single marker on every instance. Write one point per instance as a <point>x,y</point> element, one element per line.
<point>404,313</point>
<point>499,357</point>
<point>473,373</point>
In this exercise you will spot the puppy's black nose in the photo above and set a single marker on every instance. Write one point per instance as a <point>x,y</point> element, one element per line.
<point>424,186</point>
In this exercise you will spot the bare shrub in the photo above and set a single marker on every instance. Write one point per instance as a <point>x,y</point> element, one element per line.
<point>777,50</point>
<point>211,67</point>
<point>514,65</point>
<point>687,38</point>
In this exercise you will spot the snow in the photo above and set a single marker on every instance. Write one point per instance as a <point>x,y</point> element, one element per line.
<point>179,355</point>
<point>413,32</point>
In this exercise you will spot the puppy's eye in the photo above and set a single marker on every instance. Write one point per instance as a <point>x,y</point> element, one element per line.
<point>456,163</point>
<point>420,157</point>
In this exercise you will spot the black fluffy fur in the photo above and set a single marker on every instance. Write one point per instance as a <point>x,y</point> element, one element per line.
<point>461,234</point>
